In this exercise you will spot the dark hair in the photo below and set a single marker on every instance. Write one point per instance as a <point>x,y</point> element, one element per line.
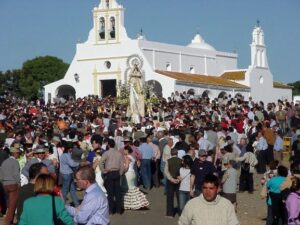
<point>174,151</point>
<point>228,148</point>
<point>136,143</point>
<point>212,179</point>
<point>274,164</point>
<point>87,173</point>
<point>34,170</point>
<point>282,171</point>
<point>182,136</point>
<point>111,143</point>
<point>128,148</point>
<point>295,167</point>
<point>249,147</point>
<point>187,161</point>
<point>143,139</point>
<point>67,145</point>
<point>97,138</point>
<point>296,184</point>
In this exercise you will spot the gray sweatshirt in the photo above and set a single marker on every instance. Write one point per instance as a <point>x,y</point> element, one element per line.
<point>10,172</point>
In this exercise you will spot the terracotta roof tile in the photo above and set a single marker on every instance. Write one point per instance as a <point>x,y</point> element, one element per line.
<point>201,79</point>
<point>234,75</point>
<point>281,85</point>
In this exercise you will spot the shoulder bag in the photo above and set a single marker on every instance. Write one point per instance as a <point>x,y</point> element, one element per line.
<point>56,220</point>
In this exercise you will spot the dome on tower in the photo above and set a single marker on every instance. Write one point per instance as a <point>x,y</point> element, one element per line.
<point>198,42</point>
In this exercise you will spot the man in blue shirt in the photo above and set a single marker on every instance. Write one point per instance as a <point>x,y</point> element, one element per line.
<point>261,148</point>
<point>148,153</point>
<point>94,208</point>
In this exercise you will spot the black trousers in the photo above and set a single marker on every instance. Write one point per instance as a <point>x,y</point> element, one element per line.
<point>155,173</point>
<point>112,183</point>
<point>3,205</point>
<point>246,181</point>
<point>262,160</point>
<point>277,208</point>
<point>171,191</point>
<point>270,154</point>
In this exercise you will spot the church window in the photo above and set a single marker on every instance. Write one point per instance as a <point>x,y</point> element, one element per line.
<point>112,28</point>
<point>168,66</point>
<point>258,58</point>
<point>102,28</point>
<point>192,69</point>
<point>107,3</point>
<point>261,79</point>
<point>107,64</point>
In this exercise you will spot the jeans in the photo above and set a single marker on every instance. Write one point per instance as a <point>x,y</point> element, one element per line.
<point>68,185</point>
<point>184,197</point>
<point>164,179</point>
<point>146,172</point>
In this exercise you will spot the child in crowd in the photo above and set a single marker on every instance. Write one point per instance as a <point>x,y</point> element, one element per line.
<point>185,177</point>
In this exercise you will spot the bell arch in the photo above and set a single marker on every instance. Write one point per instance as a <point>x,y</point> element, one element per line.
<point>156,87</point>
<point>66,92</point>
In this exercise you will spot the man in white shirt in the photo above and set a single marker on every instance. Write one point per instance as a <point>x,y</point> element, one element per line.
<point>204,143</point>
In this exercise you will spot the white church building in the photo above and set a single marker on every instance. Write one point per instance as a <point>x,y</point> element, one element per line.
<point>105,60</point>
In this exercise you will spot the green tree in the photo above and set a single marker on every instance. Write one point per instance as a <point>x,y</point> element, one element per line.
<point>9,81</point>
<point>296,87</point>
<point>38,72</point>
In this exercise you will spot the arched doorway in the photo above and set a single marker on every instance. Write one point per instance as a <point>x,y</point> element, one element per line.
<point>155,86</point>
<point>191,91</point>
<point>66,92</point>
<point>205,94</point>
<point>222,94</point>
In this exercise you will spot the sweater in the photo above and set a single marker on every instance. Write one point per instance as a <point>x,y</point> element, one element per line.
<point>250,158</point>
<point>199,211</point>
<point>293,208</point>
<point>38,210</point>
<point>10,172</point>
<point>229,181</point>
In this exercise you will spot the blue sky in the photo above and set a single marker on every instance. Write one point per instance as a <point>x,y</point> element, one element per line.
<point>30,28</point>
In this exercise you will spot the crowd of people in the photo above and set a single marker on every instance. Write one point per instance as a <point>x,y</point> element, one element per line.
<point>53,153</point>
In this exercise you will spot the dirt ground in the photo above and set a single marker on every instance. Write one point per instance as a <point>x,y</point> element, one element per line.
<point>251,210</point>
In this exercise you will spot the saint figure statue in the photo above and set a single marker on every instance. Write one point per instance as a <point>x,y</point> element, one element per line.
<point>136,98</point>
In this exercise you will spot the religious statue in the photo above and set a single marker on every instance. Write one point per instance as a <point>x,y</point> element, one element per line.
<point>136,97</point>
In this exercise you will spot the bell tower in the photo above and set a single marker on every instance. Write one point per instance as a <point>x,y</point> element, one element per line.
<point>108,20</point>
<point>258,48</point>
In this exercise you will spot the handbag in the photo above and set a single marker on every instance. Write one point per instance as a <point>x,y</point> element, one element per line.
<point>56,220</point>
<point>245,166</point>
